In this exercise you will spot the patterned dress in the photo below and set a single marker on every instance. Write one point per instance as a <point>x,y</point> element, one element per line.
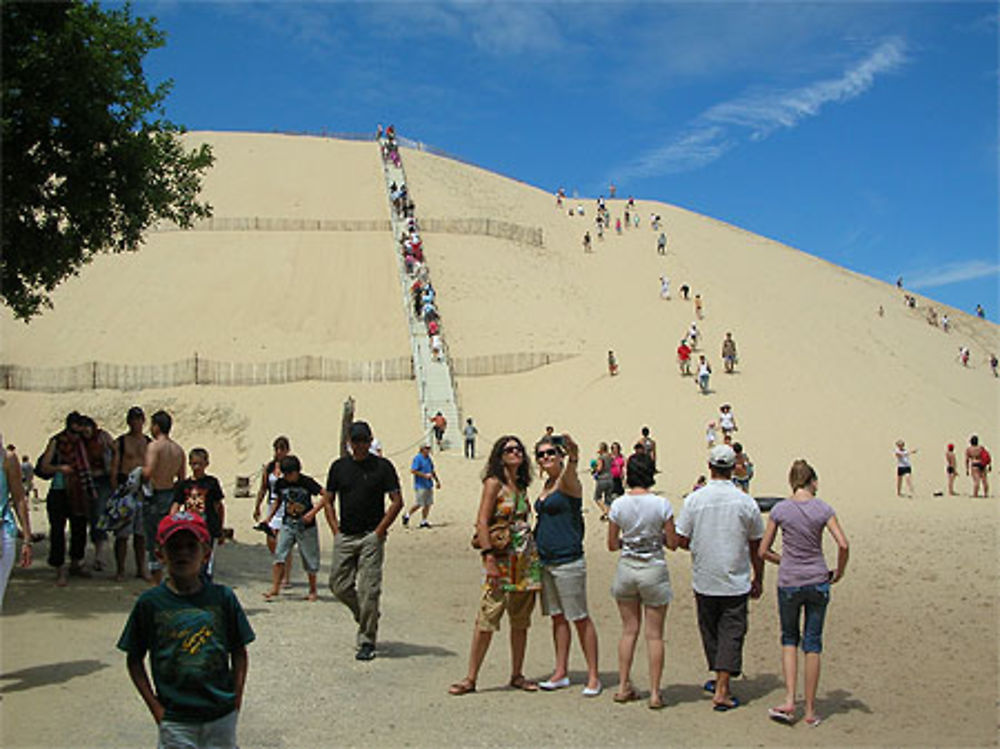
<point>520,570</point>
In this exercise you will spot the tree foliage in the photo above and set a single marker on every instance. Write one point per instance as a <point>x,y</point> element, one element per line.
<point>90,161</point>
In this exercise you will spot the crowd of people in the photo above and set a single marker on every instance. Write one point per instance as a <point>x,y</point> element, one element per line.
<point>978,465</point>
<point>537,547</point>
<point>943,321</point>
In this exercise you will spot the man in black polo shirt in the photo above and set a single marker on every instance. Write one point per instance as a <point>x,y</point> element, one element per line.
<point>361,480</point>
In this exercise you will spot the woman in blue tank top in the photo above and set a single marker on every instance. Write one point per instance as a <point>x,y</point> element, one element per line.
<point>559,537</point>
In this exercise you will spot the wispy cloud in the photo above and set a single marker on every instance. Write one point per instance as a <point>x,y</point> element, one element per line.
<point>758,113</point>
<point>950,273</point>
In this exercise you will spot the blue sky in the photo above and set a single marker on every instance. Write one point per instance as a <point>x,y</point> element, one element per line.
<point>864,133</point>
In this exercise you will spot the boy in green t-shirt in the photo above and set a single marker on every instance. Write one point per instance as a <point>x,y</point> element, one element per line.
<point>196,635</point>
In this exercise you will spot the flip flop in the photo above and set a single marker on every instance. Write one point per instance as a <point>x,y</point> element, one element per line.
<point>780,715</point>
<point>622,697</point>
<point>709,686</point>
<point>724,708</point>
<point>462,687</point>
<point>814,722</point>
<point>525,685</point>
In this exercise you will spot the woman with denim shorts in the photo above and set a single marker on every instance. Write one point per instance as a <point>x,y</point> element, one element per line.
<point>803,582</point>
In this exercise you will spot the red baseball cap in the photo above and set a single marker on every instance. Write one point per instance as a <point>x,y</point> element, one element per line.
<point>182,521</point>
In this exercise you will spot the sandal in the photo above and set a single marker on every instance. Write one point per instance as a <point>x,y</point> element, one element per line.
<point>628,696</point>
<point>519,682</point>
<point>465,686</point>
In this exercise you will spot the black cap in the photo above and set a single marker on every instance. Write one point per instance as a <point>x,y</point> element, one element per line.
<point>360,432</point>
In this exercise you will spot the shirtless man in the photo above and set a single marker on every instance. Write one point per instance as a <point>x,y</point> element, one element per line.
<point>950,468</point>
<point>974,463</point>
<point>164,466</point>
<point>129,455</point>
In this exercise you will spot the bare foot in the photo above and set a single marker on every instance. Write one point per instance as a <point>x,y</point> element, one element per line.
<point>120,577</point>
<point>286,583</point>
<point>270,594</point>
<point>62,578</point>
<point>311,597</point>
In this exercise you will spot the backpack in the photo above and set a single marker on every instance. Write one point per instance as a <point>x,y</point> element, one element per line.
<point>984,458</point>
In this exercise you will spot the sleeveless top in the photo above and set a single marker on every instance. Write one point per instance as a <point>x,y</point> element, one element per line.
<point>8,526</point>
<point>604,471</point>
<point>519,566</point>
<point>559,532</point>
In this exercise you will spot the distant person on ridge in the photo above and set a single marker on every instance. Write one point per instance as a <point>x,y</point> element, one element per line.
<point>729,353</point>
<point>664,288</point>
<point>612,364</point>
<point>904,467</point>
<point>586,242</point>
<point>951,468</point>
<point>977,463</point>
<point>698,310</point>
<point>684,358</point>
<point>704,372</point>
<point>685,290</point>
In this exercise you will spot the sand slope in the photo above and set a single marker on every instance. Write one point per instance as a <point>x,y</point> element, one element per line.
<point>911,638</point>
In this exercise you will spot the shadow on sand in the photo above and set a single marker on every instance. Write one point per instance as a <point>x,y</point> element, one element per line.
<point>50,673</point>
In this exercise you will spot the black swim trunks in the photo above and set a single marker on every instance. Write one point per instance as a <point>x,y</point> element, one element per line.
<point>903,470</point>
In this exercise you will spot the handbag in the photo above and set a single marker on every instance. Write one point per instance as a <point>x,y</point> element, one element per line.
<point>499,536</point>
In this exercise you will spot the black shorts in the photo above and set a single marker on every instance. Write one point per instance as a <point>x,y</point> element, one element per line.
<point>951,471</point>
<point>903,470</point>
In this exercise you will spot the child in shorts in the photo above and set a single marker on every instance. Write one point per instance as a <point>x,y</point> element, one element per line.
<point>295,491</point>
<point>202,495</point>
<point>196,635</point>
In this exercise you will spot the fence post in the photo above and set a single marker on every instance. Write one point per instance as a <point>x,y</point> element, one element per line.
<point>93,375</point>
<point>195,367</point>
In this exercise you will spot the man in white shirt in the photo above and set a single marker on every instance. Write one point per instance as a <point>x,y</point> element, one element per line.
<point>721,526</point>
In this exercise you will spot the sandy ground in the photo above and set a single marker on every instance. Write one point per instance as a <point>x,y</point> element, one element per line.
<point>911,641</point>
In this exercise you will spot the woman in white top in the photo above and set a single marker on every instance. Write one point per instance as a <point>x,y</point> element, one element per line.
<point>640,524</point>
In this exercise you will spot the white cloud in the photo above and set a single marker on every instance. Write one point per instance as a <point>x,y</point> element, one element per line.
<point>757,114</point>
<point>950,273</point>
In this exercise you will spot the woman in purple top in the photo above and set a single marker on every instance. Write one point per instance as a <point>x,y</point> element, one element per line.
<point>803,582</point>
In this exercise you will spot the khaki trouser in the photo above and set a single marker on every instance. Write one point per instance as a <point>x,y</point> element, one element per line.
<point>356,579</point>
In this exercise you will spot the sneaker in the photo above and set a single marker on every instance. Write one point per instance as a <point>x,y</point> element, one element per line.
<point>406,520</point>
<point>365,653</point>
<point>424,524</point>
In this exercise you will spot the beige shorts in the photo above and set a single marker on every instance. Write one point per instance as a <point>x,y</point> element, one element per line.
<point>564,590</point>
<point>647,582</point>
<point>517,605</point>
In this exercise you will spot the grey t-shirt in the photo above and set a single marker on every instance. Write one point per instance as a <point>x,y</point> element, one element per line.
<point>720,521</point>
<point>802,525</point>
<point>641,518</point>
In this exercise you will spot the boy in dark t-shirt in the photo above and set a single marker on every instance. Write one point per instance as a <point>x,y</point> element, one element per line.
<point>295,492</point>
<point>202,495</point>
<point>196,635</point>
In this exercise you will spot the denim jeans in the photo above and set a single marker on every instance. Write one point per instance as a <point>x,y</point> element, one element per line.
<point>791,601</point>
<point>214,734</point>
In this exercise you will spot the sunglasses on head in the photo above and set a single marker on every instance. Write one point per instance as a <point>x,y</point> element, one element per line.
<point>551,452</point>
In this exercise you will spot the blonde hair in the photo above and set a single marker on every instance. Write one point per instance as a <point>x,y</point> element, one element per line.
<point>801,475</point>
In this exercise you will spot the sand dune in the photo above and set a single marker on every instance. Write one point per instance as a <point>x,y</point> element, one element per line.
<point>912,641</point>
